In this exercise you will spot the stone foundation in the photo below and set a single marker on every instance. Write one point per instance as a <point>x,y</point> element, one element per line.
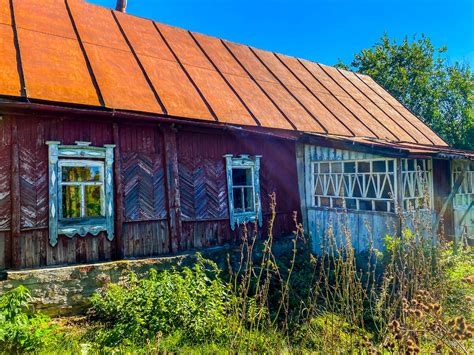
<point>63,291</point>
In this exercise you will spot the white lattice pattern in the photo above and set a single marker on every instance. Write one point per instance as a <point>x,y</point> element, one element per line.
<point>355,184</point>
<point>416,183</point>
<point>465,195</point>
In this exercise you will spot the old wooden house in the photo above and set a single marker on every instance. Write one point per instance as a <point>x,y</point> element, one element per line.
<point>122,137</point>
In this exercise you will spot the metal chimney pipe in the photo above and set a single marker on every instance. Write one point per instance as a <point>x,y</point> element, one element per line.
<point>121,5</point>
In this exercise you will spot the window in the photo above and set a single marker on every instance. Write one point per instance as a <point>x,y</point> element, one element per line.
<point>243,189</point>
<point>80,190</point>
<point>465,195</point>
<point>243,186</point>
<point>416,183</point>
<point>367,185</point>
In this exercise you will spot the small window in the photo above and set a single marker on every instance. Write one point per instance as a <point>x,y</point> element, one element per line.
<point>82,189</point>
<point>243,189</point>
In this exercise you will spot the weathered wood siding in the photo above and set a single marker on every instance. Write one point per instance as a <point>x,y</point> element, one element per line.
<point>202,178</point>
<point>145,229</point>
<point>146,167</point>
<point>5,198</point>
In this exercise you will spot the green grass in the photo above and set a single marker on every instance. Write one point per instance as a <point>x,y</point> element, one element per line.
<point>413,296</point>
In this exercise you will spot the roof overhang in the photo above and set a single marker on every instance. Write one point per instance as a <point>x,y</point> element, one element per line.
<point>15,106</point>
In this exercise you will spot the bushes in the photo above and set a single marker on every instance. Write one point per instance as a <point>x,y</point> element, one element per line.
<point>192,305</point>
<point>412,296</point>
<point>19,330</point>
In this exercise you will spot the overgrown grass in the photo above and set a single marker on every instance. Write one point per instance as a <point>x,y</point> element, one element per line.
<point>415,295</point>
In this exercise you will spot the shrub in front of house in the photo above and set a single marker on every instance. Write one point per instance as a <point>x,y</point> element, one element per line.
<point>21,329</point>
<point>192,305</point>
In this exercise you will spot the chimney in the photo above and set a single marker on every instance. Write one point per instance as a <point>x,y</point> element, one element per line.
<point>121,5</point>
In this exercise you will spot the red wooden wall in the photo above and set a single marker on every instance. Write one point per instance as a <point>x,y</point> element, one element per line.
<point>203,187</point>
<point>149,222</point>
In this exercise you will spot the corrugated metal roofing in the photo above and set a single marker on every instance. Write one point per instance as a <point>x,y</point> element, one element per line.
<point>73,52</point>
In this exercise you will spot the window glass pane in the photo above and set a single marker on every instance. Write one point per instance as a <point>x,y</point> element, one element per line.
<point>248,197</point>
<point>379,166</point>
<point>365,205</point>
<point>324,168</point>
<point>336,167</point>
<point>349,167</point>
<point>387,190</point>
<point>382,206</point>
<point>390,165</point>
<point>324,202</point>
<point>238,199</point>
<point>351,204</point>
<point>71,202</point>
<point>241,177</point>
<point>81,173</point>
<point>337,202</point>
<point>93,201</point>
<point>363,167</point>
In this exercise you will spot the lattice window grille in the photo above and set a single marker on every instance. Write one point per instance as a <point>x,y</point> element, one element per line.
<point>465,195</point>
<point>368,184</point>
<point>417,183</point>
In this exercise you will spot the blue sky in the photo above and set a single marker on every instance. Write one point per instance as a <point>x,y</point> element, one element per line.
<point>319,30</point>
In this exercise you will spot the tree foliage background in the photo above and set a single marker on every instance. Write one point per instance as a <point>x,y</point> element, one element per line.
<point>421,77</point>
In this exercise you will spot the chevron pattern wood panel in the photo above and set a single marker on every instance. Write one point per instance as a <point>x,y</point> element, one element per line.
<point>33,175</point>
<point>203,188</point>
<point>5,161</point>
<point>144,189</point>
<point>34,188</point>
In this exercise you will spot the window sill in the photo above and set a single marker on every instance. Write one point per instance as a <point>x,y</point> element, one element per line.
<point>82,226</point>
<point>349,211</point>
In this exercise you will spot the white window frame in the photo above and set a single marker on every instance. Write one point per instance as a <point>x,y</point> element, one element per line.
<point>82,184</point>
<point>465,194</point>
<point>353,177</point>
<point>242,191</point>
<point>417,179</point>
<point>244,161</point>
<point>81,154</point>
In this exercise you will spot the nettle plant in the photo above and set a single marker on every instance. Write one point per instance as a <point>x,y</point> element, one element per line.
<point>20,329</point>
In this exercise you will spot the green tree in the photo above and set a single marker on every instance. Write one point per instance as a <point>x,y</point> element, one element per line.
<point>421,77</point>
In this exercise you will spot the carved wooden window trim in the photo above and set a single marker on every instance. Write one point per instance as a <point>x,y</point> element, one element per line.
<point>244,162</point>
<point>80,155</point>
<point>355,184</point>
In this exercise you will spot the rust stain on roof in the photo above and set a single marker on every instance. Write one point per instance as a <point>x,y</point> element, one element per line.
<point>258,103</point>
<point>96,25</point>
<point>45,16</point>
<point>144,38</point>
<point>433,137</point>
<point>9,77</point>
<point>176,91</point>
<point>5,15</point>
<point>75,52</point>
<point>120,80</point>
<point>54,69</point>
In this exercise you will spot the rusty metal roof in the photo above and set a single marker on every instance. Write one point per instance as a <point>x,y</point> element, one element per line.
<point>73,52</point>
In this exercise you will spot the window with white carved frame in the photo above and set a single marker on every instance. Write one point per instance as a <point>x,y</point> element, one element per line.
<point>368,185</point>
<point>80,190</point>
<point>243,189</point>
